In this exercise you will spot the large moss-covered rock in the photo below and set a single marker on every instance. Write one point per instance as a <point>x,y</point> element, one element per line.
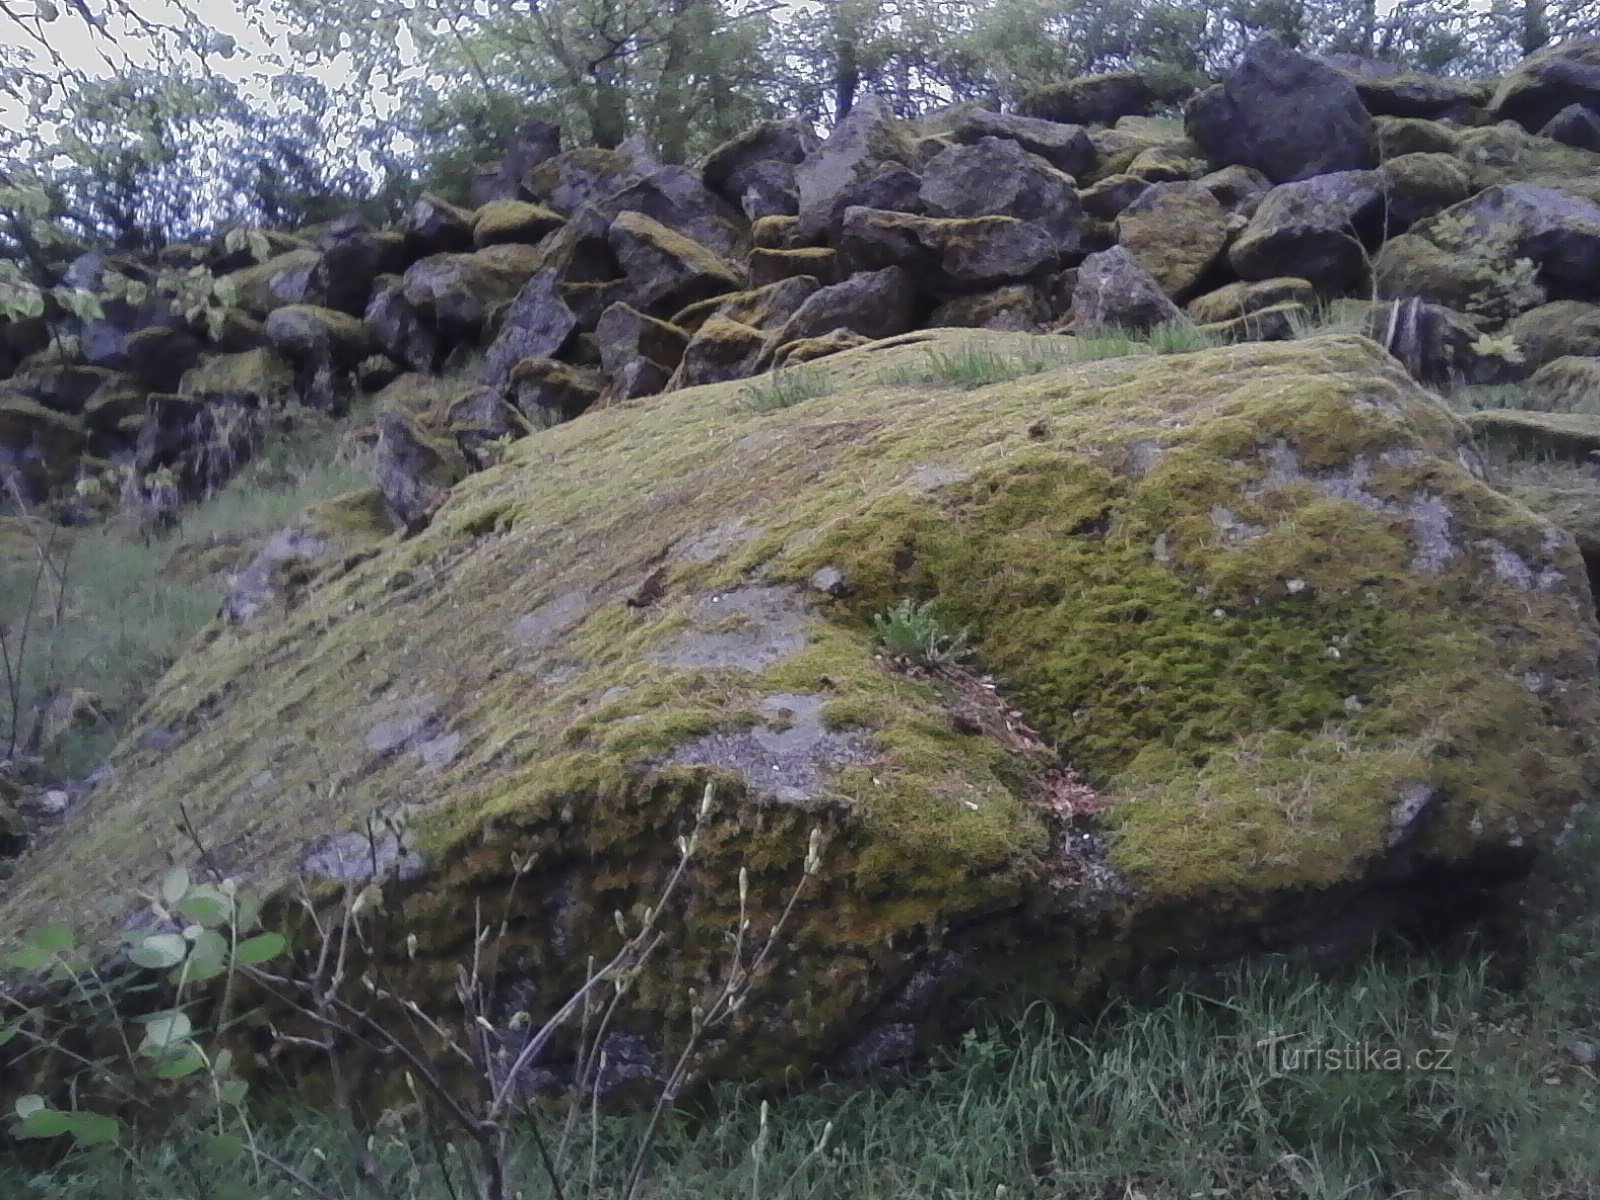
<point>292,278</point>
<point>455,293</point>
<point>948,255</point>
<point>1312,672</point>
<point>1315,229</point>
<point>1543,84</point>
<point>1091,99</point>
<point>1553,330</point>
<point>1177,232</point>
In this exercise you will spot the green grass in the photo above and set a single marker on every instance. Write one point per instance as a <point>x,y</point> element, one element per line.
<point>978,363</point>
<point>784,388</point>
<point>130,604</point>
<point>1169,1100</point>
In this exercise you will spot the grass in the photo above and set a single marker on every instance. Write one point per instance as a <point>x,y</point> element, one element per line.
<point>911,631</point>
<point>1208,1091</point>
<point>131,604</point>
<point>784,388</point>
<point>978,363</point>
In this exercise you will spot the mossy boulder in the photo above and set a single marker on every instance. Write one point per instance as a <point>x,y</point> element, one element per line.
<point>829,179</point>
<point>1313,228</point>
<point>256,378</point>
<point>1177,232</point>
<point>1567,384</point>
<point>292,278</point>
<point>1413,95</point>
<point>1565,436</point>
<point>770,265</point>
<point>949,255</point>
<point>764,307</point>
<point>548,392</point>
<point>1311,672</point>
<point>513,221</point>
<point>1240,299</point>
<point>667,269</point>
<point>1018,307</point>
<point>1412,135</point>
<point>1552,330</point>
<point>1091,99</point>
<point>311,337</point>
<point>1285,113</point>
<point>1419,185</point>
<point>1542,84</point>
<point>455,293</point>
<point>38,446</point>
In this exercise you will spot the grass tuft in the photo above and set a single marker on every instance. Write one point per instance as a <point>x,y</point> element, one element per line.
<point>784,388</point>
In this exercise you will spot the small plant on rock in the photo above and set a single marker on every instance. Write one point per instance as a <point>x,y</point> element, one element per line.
<point>911,632</point>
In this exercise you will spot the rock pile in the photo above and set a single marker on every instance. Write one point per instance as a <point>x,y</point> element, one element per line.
<point>591,277</point>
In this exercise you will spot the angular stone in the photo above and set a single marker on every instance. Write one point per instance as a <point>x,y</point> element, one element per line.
<point>538,325</point>
<point>1177,232</point>
<point>1114,292</point>
<point>1284,113</point>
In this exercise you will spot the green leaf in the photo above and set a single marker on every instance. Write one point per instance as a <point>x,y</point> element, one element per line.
<point>233,1091</point>
<point>222,1148</point>
<point>205,905</point>
<point>29,958</point>
<point>7,1033</point>
<point>56,937</point>
<point>181,1061</point>
<point>208,958</point>
<point>175,887</point>
<point>45,10</point>
<point>44,1123</point>
<point>94,1129</point>
<point>159,950</point>
<point>264,947</point>
<point>165,1029</point>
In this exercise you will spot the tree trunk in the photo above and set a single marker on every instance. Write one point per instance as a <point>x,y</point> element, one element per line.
<point>1534,33</point>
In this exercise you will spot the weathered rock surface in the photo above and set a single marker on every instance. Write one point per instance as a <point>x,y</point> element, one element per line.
<point>1114,292</point>
<point>1315,229</point>
<point>1390,694</point>
<point>1284,113</point>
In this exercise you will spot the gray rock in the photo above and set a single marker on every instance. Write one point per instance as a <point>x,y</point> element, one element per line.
<point>1114,292</point>
<point>997,177</point>
<point>870,136</point>
<point>1312,229</point>
<point>1575,125</point>
<point>538,324</point>
<point>1065,147</point>
<point>1286,114</point>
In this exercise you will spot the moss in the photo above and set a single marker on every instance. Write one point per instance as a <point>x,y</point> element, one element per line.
<point>289,278</point>
<point>1414,135</point>
<point>259,376</point>
<point>772,265</point>
<point>1249,705</point>
<point>513,221</point>
<point>773,233</point>
<point>1565,327</point>
<point>1241,299</point>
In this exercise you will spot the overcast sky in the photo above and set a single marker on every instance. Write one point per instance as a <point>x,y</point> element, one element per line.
<point>261,43</point>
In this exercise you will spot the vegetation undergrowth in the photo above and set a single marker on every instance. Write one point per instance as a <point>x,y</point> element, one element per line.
<point>111,611</point>
<point>1466,1073</point>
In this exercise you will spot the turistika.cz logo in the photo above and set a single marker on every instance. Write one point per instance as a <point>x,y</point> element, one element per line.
<point>1293,1054</point>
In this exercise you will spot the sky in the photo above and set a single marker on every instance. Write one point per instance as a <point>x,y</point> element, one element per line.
<point>261,43</point>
